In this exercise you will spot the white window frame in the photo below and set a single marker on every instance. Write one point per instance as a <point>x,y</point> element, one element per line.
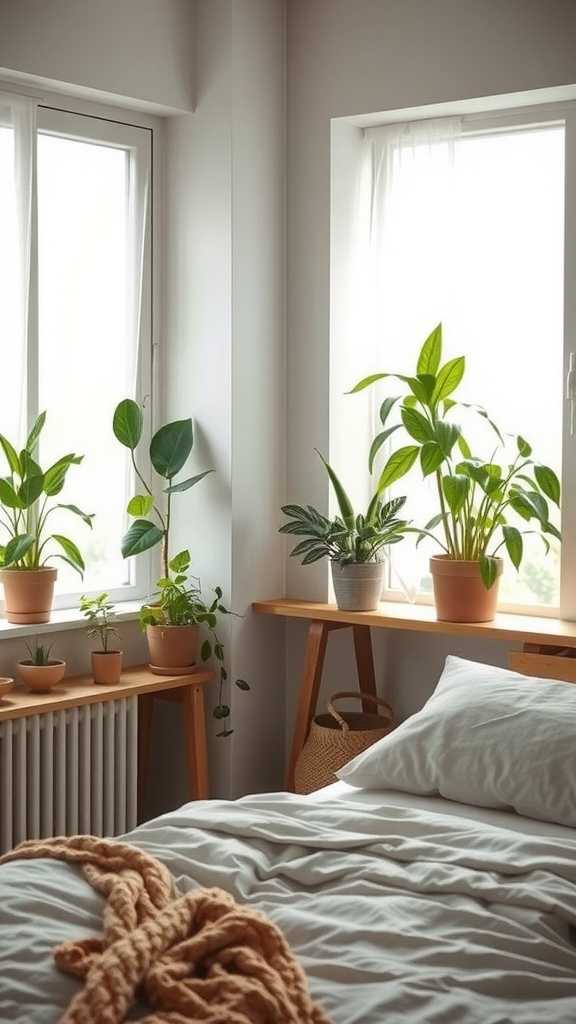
<point>75,119</point>
<point>530,117</point>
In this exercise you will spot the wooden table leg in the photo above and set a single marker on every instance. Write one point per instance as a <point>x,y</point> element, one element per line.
<point>145,708</point>
<point>308,693</point>
<point>365,664</point>
<point>195,738</point>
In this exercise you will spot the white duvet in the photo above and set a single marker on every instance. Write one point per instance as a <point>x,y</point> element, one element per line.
<point>397,914</point>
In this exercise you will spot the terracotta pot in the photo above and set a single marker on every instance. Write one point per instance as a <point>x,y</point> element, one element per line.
<point>28,594</point>
<point>358,586</point>
<point>40,678</point>
<point>173,646</point>
<point>107,667</point>
<point>459,592</point>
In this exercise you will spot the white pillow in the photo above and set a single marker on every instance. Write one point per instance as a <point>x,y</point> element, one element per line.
<point>488,737</point>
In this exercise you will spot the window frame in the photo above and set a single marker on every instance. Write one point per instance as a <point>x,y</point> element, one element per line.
<point>523,118</point>
<point>107,126</point>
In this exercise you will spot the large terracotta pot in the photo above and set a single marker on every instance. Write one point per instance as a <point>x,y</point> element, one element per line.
<point>41,678</point>
<point>358,586</point>
<point>172,647</point>
<point>28,594</point>
<point>459,592</point>
<point>107,667</point>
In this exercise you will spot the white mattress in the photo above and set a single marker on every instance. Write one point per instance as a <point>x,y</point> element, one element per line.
<point>438,805</point>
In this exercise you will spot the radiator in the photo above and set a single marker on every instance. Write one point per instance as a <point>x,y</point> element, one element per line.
<point>70,771</point>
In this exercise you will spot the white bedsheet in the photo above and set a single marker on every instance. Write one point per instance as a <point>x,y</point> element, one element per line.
<point>398,913</point>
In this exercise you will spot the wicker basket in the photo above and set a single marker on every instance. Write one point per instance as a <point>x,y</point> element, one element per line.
<point>335,738</point>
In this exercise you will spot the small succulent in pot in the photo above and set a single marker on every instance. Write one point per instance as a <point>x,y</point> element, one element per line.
<point>353,543</point>
<point>40,672</point>
<point>106,663</point>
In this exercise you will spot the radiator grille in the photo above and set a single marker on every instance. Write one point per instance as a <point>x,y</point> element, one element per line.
<point>69,771</point>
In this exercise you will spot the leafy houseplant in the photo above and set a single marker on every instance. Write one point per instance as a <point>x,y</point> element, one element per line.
<point>485,504</point>
<point>353,543</point>
<point>106,663</point>
<point>173,621</point>
<point>40,672</point>
<point>25,508</point>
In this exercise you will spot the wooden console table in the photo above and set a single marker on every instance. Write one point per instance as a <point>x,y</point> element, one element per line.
<point>545,641</point>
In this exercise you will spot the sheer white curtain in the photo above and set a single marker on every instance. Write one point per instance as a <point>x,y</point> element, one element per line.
<point>411,249</point>
<point>18,117</point>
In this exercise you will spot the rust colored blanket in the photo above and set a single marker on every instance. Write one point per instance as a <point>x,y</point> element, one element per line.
<point>198,957</point>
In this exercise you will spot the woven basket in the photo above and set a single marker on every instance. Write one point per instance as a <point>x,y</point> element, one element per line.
<point>335,738</point>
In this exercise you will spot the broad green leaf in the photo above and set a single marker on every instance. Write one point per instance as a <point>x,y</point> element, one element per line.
<point>398,465</point>
<point>386,408</point>
<point>431,353</point>
<point>344,503</point>
<point>34,434</point>
<point>86,516</point>
<point>30,490</point>
<point>11,455</point>
<point>446,435</point>
<point>377,444</point>
<point>55,476</point>
<point>127,423</point>
<point>8,496</point>
<point>185,485</point>
<point>514,545</point>
<point>455,490</point>
<point>488,570</point>
<point>142,535</point>
<point>180,562</point>
<point>17,547</point>
<point>449,377</point>
<point>71,551</point>
<point>170,447</point>
<point>140,505</point>
<point>548,482</point>
<point>431,457</point>
<point>417,425</point>
<point>523,447</point>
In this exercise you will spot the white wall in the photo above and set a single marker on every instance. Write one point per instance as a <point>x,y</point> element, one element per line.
<point>225,351</point>
<point>352,58</point>
<point>139,50</point>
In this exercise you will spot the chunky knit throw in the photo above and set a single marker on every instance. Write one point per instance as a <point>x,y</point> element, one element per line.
<point>198,957</point>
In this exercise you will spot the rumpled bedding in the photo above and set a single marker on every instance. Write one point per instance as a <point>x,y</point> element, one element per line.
<point>397,914</point>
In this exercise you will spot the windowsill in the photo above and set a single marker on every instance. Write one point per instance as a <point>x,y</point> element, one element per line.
<point>64,619</point>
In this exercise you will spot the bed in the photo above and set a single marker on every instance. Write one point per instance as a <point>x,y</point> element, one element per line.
<point>401,907</point>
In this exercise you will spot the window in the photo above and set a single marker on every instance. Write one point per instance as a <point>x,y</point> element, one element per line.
<point>88,342</point>
<point>467,225</point>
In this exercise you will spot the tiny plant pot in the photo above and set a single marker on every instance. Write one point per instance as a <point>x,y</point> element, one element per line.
<point>41,678</point>
<point>358,586</point>
<point>173,647</point>
<point>28,594</point>
<point>459,592</point>
<point>107,667</point>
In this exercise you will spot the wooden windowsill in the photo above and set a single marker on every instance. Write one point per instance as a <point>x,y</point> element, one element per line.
<point>422,619</point>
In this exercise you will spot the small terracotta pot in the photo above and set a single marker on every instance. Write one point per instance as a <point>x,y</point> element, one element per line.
<point>41,678</point>
<point>107,667</point>
<point>459,592</point>
<point>173,646</point>
<point>28,594</point>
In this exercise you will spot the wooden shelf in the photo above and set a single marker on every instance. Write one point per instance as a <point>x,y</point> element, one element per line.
<point>422,619</point>
<point>78,690</point>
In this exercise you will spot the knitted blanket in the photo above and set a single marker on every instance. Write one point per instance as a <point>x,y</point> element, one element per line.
<point>198,957</point>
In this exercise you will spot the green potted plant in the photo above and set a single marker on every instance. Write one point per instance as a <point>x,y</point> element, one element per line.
<point>39,672</point>
<point>25,508</point>
<point>484,504</point>
<point>353,543</point>
<point>106,663</point>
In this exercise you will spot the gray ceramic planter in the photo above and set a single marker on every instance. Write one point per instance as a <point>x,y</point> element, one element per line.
<point>358,586</point>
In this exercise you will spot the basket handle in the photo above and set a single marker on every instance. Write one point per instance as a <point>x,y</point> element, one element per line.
<point>359,695</point>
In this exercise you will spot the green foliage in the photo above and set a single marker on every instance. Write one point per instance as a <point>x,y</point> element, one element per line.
<point>39,653</point>
<point>475,495</point>
<point>25,507</point>
<point>99,612</point>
